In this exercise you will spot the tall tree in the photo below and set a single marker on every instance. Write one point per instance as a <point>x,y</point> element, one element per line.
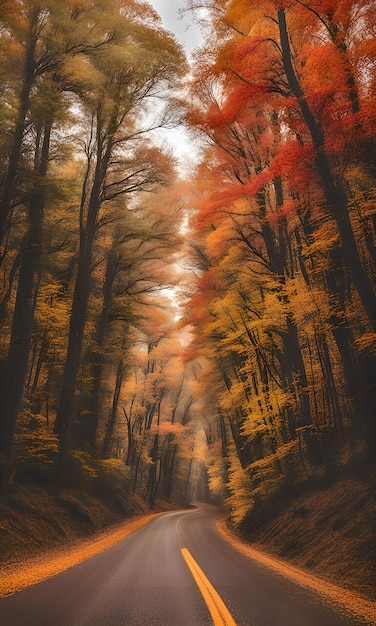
<point>40,109</point>
<point>282,309</point>
<point>138,66</point>
<point>33,27</point>
<point>136,265</point>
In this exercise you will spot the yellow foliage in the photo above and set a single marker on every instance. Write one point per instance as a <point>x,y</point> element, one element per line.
<point>112,473</point>
<point>216,471</point>
<point>326,237</point>
<point>367,342</point>
<point>241,487</point>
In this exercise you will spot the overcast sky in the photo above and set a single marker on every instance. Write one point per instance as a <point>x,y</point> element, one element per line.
<point>187,33</point>
<point>184,29</point>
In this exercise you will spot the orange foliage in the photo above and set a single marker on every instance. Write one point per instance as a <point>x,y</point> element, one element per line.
<point>275,278</point>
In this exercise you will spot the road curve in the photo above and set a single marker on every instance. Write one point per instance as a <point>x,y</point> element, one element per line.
<point>145,580</point>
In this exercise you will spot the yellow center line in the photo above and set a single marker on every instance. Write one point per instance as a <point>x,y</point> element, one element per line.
<point>215,604</point>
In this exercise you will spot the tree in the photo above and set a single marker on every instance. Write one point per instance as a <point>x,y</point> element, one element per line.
<point>32,27</point>
<point>137,260</point>
<point>275,223</point>
<point>71,56</point>
<point>112,170</point>
<point>30,269</point>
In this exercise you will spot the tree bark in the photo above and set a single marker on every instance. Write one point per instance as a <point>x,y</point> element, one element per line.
<point>15,370</point>
<point>106,448</point>
<point>360,379</point>
<point>89,423</point>
<point>66,406</point>
<point>15,151</point>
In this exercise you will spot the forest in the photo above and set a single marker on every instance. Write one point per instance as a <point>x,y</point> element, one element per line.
<point>170,334</point>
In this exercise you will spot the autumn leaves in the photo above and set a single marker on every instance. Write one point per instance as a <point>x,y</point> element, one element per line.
<point>76,155</point>
<point>285,306</point>
<point>280,244</point>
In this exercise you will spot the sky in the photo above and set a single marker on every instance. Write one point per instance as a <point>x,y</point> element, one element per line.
<point>188,34</point>
<point>184,29</point>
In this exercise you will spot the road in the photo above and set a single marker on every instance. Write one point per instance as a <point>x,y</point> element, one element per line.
<point>146,580</point>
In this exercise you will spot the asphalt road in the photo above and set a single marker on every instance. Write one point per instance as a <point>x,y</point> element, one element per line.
<point>145,581</point>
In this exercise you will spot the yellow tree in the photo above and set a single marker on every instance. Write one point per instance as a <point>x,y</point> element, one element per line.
<point>278,302</point>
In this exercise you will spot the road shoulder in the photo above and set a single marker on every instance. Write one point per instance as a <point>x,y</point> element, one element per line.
<point>343,598</point>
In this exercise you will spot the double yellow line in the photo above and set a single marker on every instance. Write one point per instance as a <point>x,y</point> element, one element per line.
<point>215,604</point>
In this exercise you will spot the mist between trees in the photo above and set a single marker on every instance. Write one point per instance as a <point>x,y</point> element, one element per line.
<point>266,377</point>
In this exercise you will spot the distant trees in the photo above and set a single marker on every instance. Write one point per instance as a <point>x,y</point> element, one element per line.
<point>155,423</point>
<point>114,167</point>
<point>285,304</point>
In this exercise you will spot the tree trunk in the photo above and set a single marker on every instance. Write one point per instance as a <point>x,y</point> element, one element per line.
<point>292,360</point>
<point>36,403</point>
<point>241,442</point>
<point>130,443</point>
<point>89,422</point>
<point>151,490</point>
<point>362,388</point>
<point>15,371</point>
<point>169,470</point>
<point>66,406</point>
<point>110,427</point>
<point>15,151</point>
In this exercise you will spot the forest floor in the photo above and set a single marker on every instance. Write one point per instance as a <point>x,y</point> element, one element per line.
<point>326,529</point>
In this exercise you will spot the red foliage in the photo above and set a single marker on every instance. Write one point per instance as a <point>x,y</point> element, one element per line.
<point>288,208</point>
<point>295,162</point>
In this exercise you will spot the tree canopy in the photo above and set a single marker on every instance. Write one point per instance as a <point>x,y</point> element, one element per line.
<point>167,323</point>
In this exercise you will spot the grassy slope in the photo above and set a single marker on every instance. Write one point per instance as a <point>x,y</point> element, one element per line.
<point>35,519</point>
<point>327,527</point>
